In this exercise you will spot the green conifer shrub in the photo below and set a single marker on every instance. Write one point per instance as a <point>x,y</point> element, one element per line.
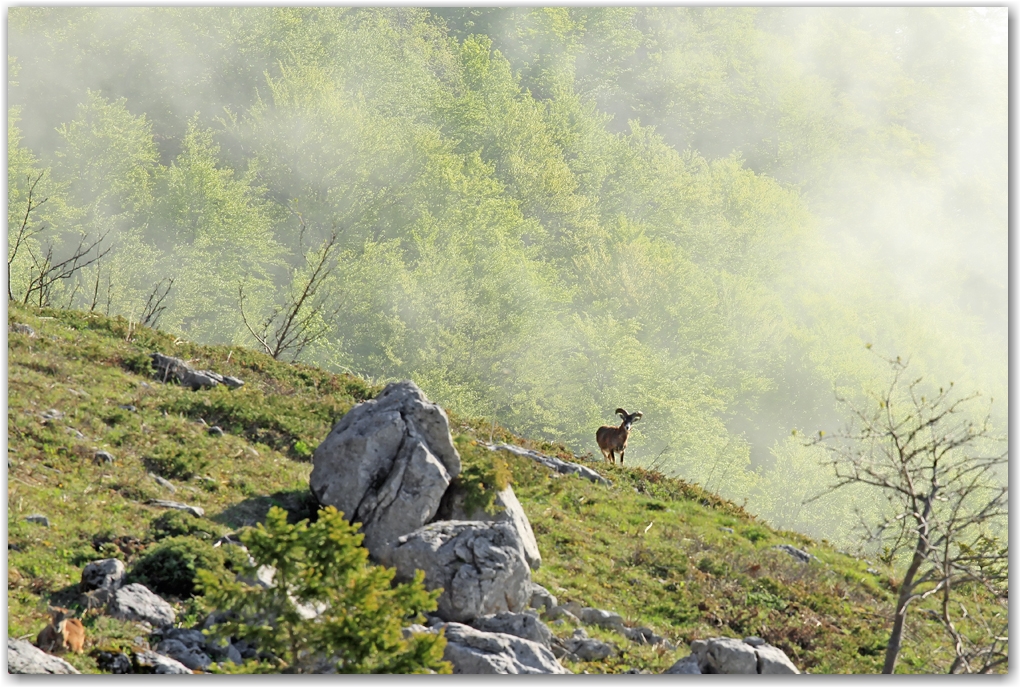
<point>322,565</point>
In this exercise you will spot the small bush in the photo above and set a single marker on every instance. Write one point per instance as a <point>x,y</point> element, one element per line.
<point>170,567</point>
<point>324,564</point>
<point>175,461</point>
<point>175,523</point>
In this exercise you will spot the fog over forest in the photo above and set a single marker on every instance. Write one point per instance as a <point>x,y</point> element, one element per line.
<point>721,217</point>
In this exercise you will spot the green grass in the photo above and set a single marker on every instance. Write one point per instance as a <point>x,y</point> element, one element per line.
<point>651,548</point>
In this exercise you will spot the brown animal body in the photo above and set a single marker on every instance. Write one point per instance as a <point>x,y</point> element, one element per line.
<point>613,439</point>
<point>63,633</point>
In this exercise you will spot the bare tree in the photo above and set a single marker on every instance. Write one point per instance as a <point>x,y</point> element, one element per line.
<point>300,320</point>
<point>948,503</point>
<point>26,231</point>
<point>154,306</point>
<point>46,269</point>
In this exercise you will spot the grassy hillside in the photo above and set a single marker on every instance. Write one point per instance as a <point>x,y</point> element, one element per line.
<point>661,552</point>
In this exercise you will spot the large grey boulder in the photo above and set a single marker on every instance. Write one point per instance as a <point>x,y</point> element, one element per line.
<point>25,659</point>
<point>521,625</point>
<point>508,509</point>
<point>724,655</point>
<point>135,603</point>
<point>386,464</point>
<point>105,574</point>
<point>474,652</point>
<point>479,565</point>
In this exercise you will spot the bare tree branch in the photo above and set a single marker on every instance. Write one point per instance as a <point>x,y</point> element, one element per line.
<point>297,323</point>
<point>924,453</point>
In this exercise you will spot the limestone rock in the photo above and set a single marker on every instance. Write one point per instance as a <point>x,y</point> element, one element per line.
<point>104,574</point>
<point>802,556</point>
<point>474,652</point>
<point>134,602</point>
<point>724,655</point>
<point>517,624</point>
<point>479,565</point>
<point>508,509</point>
<point>772,661</point>
<point>687,665</point>
<point>387,464</point>
<point>151,662</point>
<point>24,658</point>
<point>190,656</point>
<point>561,466</point>
<point>604,619</point>
<point>197,511</point>
<point>540,597</point>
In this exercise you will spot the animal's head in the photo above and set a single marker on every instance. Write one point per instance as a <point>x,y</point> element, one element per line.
<point>628,418</point>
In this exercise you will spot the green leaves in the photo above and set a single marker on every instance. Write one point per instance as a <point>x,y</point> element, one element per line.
<point>328,609</point>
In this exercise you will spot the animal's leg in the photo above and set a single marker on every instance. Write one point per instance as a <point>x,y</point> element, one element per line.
<point>621,457</point>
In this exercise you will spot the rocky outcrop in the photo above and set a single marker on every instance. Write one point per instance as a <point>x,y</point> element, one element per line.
<point>387,464</point>
<point>190,656</point>
<point>727,656</point>
<point>802,556</point>
<point>561,466</point>
<point>134,602</point>
<point>479,565</point>
<point>508,509</point>
<point>475,652</point>
<point>24,658</point>
<point>168,369</point>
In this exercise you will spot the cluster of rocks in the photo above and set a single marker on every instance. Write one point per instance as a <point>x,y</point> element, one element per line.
<point>175,650</point>
<point>390,464</point>
<point>168,368</point>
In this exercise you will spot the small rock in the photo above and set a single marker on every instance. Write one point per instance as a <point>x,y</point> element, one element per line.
<point>52,414</point>
<point>233,382</point>
<point>541,598</point>
<point>38,520</point>
<point>197,511</point>
<point>726,529</point>
<point>114,662</point>
<point>802,556</point>
<point>102,457</point>
<point>103,574</point>
<point>75,432</point>
<point>136,603</point>
<point>216,431</point>
<point>151,662</point>
<point>516,624</point>
<point>20,328</point>
<point>190,656</point>
<point>754,641</point>
<point>604,619</point>
<point>166,484</point>
<point>687,665</point>
<point>128,407</point>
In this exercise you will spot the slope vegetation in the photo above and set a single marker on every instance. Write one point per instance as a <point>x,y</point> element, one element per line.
<point>662,552</point>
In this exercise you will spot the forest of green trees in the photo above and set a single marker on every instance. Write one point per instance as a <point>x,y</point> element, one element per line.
<point>721,217</point>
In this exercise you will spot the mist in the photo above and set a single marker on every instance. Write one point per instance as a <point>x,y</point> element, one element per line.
<point>720,217</point>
